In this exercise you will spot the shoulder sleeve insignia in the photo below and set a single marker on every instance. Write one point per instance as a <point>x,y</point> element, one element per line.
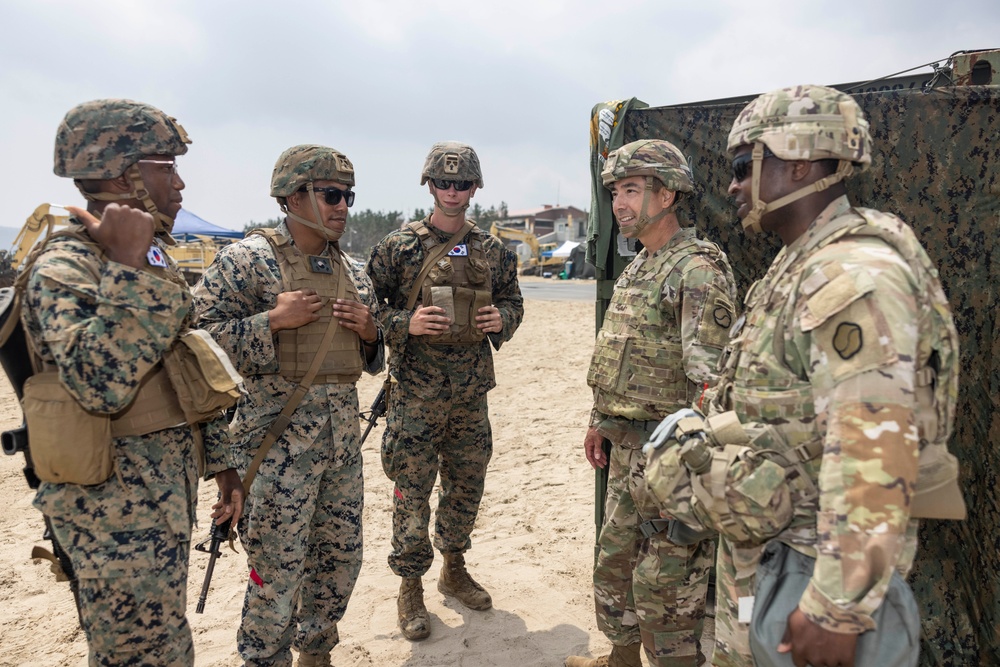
<point>847,339</point>
<point>722,317</point>
<point>716,319</point>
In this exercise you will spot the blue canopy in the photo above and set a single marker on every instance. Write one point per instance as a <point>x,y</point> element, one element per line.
<point>188,223</point>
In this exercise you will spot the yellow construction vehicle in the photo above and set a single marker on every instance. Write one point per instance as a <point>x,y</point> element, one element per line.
<point>535,258</point>
<point>192,257</point>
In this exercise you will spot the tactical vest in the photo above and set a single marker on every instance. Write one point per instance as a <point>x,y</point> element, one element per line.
<point>459,283</point>
<point>297,348</point>
<point>770,387</point>
<point>638,361</point>
<point>155,406</point>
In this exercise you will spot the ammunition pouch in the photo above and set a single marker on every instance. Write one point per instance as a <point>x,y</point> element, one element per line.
<point>461,305</point>
<point>52,413</point>
<point>203,377</point>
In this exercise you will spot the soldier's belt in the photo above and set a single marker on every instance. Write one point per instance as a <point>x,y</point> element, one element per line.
<point>676,531</point>
<point>627,433</point>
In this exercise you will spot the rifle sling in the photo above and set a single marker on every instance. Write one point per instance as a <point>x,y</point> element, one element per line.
<point>436,256</point>
<point>282,421</point>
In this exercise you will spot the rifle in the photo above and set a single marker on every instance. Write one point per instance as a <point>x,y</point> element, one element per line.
<point>219,534</point>
<point>16,363</point>
<point>377,409</point>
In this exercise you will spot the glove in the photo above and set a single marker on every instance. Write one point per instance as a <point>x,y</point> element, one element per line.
<point>665,431</point>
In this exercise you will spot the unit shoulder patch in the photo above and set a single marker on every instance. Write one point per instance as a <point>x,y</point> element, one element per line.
<point>848,339</point>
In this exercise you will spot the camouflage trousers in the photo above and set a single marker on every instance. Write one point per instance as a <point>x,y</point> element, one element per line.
<point>129,542</point>
<point>648,590</point>
<point>133,610</point>
<point>422,439</point>
<point>735,578</point>
<point>302,533</point>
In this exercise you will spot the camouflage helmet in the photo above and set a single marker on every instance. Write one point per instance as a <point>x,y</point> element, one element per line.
<point>309,162</point>
<point>452,161</point>
<point>649,157</point>
<point>99,140</point>
<point>806,123</point>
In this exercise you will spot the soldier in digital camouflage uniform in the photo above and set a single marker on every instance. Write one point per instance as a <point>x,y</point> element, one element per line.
<point>846,367</point>
<point>269,300</point>
<point>657,350</point>
<point>103,313</point>
<point>440,335</point>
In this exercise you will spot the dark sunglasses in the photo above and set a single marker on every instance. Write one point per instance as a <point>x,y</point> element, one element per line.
<point>741,164</point>
<point>460,186</point>
<point>332,195</point>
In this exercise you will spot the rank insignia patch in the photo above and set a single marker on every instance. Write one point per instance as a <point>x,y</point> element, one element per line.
<point>319,264</point>
<point>847,340</point>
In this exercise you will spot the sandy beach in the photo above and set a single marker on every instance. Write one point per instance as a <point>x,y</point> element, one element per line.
<point>532,547</point>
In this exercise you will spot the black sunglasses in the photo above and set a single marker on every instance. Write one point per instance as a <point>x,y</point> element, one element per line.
<point>443,184</point>
<point>332,195</point>
<point>741,164</point>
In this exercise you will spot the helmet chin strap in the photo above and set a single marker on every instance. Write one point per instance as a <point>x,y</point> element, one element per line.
<point>450,211</point>
<point>751,223</point>
<point>162,223</point>
<point>328,234</point>
<point>644,219</point>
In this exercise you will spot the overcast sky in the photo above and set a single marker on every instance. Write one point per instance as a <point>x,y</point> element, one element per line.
<point>383,80</point>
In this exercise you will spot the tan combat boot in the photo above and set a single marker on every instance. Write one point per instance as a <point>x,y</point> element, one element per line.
<point>456,582</point>
<point>621,656</point>
<point>413,618</point>
<point>309,660</point>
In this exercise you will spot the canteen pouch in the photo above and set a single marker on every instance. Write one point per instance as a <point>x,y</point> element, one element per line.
<point>782,577</point>
<point>68,444</point>
<point>202,375</point>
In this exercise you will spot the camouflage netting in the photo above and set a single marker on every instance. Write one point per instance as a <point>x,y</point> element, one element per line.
<point>934,164</point>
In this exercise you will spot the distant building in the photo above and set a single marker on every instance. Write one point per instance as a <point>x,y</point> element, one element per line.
<point>551,224</point>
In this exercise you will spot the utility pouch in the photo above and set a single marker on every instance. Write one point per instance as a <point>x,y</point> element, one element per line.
<point>443,297</point>
<point>782,577</point>
<point>441,272</point>
<point>477,271</point>
<point>202,376</point>
<point>68,444</point>
<point>482,299</point>
<point>938,494</point>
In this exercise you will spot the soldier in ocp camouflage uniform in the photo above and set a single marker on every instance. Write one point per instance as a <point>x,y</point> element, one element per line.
<point>269,300</point>
<point>657,350</point>
<point>102,307</point>
<point>847,365</point>
<point>440,334</point>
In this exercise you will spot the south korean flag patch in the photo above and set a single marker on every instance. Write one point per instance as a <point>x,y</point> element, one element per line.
<point>461,250</point>
<point>155,257</point>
